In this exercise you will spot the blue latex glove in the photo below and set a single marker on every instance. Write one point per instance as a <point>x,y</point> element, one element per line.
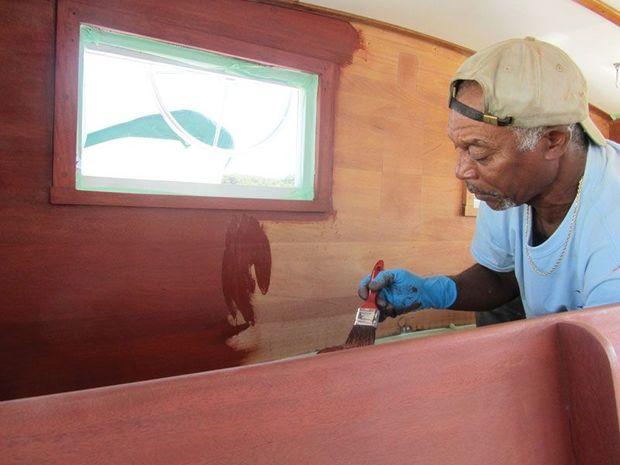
<point>401,291</point>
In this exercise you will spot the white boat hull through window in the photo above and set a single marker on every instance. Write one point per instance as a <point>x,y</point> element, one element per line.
<point>158,118</point>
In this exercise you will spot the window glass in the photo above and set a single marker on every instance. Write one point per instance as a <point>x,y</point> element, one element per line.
<point>159,118</point>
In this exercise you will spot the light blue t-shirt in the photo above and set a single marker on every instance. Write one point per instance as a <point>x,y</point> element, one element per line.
<point>589,273</point>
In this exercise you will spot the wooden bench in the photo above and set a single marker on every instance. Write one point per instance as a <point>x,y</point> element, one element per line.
<point>543,391</point>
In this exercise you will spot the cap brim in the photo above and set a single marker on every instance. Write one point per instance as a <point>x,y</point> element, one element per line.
<point>593,132</point>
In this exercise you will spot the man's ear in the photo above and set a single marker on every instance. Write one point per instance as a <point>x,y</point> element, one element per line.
<point>557,139</point>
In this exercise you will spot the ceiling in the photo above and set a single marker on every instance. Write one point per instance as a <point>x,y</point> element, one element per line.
<point>591,40</point>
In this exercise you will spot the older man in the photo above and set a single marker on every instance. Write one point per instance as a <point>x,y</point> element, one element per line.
<point>549,222</point>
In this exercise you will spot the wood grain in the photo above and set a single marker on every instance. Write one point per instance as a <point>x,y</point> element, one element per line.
<point>72,196</point>
<point>614,131</point>
<point>602,120</point>
<point>240,20</point>
<point>603,9</point>
<point>592,382</point>
<point>332,13</point>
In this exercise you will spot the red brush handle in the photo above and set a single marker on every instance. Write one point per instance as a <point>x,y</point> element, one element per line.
<point>372,295</point>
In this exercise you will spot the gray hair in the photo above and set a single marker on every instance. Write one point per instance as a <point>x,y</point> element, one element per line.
<point>527,138</point>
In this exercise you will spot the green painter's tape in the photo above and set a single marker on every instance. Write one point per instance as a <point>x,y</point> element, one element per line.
<point>91,36</point>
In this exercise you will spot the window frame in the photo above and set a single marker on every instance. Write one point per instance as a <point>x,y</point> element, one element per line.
<point>133,18</point>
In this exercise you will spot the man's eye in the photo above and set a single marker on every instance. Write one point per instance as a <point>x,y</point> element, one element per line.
<point>477,154</point>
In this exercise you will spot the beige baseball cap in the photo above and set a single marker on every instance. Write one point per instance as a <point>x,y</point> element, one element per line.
<point>527,83</point>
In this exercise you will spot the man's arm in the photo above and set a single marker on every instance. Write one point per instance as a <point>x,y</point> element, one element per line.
<point>481,289</point>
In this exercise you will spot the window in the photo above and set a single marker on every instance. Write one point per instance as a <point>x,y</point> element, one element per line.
<point>228,106</point>
<point>158,118</point>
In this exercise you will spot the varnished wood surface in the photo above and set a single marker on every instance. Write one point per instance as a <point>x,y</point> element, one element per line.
<point>614,131</point>
<point>287,30</point>
<point>592,383</point>
<point>98,295</point>
<point>498,394</point>
<point>72,196</point>
<point>304,6</point>
<point>603,9</point>
<point>602,120</point>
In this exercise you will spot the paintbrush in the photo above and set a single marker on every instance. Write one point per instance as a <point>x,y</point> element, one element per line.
<point>366,320</point>
<point>367,317</point>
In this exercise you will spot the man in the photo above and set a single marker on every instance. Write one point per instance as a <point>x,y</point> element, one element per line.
<point>548,224</point>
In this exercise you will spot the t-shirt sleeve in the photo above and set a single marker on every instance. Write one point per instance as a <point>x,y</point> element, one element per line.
<point>492,245</point>
<point>602,276</point>
<point>605,292</point>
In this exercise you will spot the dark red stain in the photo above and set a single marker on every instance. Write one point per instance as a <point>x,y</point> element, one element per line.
<point>333,349</point>
<point>247,247</point>
<point>338,39</point>
<point>354,42</point>
<point>94,296</point>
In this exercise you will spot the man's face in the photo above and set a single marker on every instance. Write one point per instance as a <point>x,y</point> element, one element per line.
<point>489,162</point>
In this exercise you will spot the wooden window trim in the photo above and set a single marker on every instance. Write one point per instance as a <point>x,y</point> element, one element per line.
<point>211,26</point>
<point>469,207</point>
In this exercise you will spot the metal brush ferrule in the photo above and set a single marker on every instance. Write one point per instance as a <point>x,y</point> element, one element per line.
<point>367,317</point>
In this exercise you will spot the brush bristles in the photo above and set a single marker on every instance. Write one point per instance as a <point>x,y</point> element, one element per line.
<point>361,335</point>
<point>363,330</point>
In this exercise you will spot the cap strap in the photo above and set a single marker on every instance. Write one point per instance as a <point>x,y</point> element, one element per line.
<point>474,114</point>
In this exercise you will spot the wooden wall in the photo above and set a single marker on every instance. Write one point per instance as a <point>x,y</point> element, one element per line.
<point>93,296</point>
<point>614,130</point>
<point>603,121</point>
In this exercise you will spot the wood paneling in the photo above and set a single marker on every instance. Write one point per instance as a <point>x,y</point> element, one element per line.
<point>601,8</point>
<point>365,21</point>
<point>590,369</point>
<point>602,120</point>
<point>614,131</point>
<point>530,392</point>
<point>94,295</point>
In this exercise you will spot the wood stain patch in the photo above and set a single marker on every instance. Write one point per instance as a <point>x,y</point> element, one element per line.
<point>247,247</point>
<point>338,41</point>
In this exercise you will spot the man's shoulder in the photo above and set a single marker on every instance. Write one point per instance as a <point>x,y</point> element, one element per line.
<point>603,195</point>
<point>607,159</point>
<point>600,220</point>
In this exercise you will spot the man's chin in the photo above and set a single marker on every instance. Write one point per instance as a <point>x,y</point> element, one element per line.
<point>499,204</point>
<point>495,202</point>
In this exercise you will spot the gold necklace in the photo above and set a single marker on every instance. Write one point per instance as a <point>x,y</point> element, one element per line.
<point>571,229</point>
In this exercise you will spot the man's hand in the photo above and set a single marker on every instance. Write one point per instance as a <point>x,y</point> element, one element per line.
<point>401,291</point>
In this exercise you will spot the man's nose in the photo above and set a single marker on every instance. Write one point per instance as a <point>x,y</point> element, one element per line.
<point>464,166</point>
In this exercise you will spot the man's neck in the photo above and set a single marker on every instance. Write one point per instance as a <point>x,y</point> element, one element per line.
<point>550,208</point>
